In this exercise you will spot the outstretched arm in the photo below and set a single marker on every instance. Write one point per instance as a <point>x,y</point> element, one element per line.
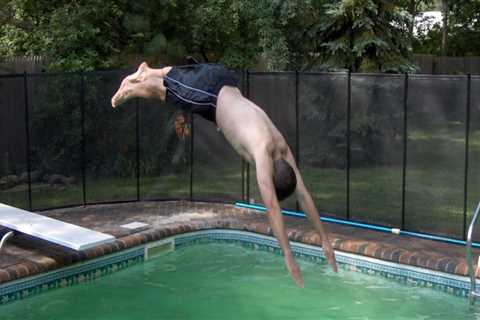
<point>308,206</point>
<point>264,168</point>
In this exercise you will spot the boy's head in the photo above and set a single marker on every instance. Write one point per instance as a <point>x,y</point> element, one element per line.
<point>284,179</point>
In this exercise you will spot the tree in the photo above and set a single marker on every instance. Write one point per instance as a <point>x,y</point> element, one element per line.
<point>369,35</point>
<point>74,35</point>
<point>445,12</point>
<point>414,8</point>
<point>239,33</point>
<point>94,34</point>
<point>463,31</point>
<point>364,36</point>
<point>464,28</point>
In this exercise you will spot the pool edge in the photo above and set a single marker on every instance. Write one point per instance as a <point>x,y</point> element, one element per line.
<point>91,270</point>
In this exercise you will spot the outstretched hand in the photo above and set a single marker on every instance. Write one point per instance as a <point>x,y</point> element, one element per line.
<point>329,253</point>
<point>294,270</point>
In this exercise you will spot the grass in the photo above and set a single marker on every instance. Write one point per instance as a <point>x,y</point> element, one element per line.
<point>375,194</point>
<point>434,186</point>
<point>224,183</point>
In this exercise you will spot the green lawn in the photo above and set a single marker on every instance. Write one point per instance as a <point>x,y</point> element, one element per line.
<point>375,193</point>
<point>434,189</point>
<point>215,184</point>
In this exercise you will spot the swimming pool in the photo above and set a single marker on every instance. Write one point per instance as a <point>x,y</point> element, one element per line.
<point>213,277</point>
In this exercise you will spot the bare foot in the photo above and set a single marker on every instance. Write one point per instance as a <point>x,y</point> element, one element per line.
<point>329,254</point>
<point>294,270</point>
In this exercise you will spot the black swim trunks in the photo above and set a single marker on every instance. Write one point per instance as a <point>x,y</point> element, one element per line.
<point>196,87</point>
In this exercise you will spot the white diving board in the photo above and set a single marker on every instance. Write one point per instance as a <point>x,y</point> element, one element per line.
<point>52,230</point>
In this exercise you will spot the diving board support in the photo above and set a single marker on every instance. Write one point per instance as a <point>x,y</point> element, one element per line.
<point>471,270</point>
<point>5,237</point>
<point>52,230</point>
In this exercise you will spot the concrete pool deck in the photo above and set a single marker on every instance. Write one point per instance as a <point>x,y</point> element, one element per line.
<point>24,256</point>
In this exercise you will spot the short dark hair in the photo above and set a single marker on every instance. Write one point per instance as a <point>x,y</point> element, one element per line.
<point>284,179</point>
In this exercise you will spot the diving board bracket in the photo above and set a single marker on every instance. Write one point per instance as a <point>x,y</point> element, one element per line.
<point>5,237</point>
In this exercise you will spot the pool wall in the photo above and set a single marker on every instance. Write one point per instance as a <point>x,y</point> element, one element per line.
<point>93,269</point>
<point>71,275</point>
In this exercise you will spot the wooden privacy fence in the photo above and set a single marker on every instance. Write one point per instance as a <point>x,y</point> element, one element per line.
<point>29,64</point>
<point>430,64</point>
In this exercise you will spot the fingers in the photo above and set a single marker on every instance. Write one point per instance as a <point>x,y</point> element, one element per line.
<point>298,280</point>
<point>332,262</point>
<point>330,255</point>
<point>294,270</point>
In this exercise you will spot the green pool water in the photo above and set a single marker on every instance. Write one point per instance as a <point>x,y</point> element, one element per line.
<point>227,281</point>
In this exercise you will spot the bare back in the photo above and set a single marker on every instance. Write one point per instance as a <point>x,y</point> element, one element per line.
<point>247,127</point>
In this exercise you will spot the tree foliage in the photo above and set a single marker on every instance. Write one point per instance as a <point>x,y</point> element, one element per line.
<point>74,35</point>
<point>463,31</point>
<point>464,28</point>
<point>365,36</point>
<point>359,35</point>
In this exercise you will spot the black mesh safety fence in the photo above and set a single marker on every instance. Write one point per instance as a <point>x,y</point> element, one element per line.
<point>473,174</point>
<point>14,186</point>
<point>164,145</point>
<point>110,141</point>
<point>376,148</point>
<point>322,136</point>
<point>55,120</point>
<point>362,157</point>
<point>217,168</point>
<point>218,172</point>
<point>275,94</point>
<point>434,191</point>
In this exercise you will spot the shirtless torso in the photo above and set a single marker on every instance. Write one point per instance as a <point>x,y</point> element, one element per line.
<point>253,135</point>
<point>255,126</point>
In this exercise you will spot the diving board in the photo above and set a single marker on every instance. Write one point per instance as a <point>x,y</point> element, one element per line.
<point>52,230</point>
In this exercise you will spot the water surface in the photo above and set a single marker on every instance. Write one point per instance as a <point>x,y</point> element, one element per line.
<point>227,281</point>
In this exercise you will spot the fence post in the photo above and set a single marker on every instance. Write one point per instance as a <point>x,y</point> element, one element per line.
<point>349,106</point>
<point>297,133</point>
<point>467,146</point>
<point>243,179</point>
<point>192,134</point>
<point>137,150</point>
<point>27,135</point>
<point>82,128</point>
<point>248,165</point>
<point>244,198</point>
<point>405,137</point>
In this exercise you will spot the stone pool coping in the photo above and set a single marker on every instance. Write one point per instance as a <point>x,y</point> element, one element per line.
<point>24,256</point>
